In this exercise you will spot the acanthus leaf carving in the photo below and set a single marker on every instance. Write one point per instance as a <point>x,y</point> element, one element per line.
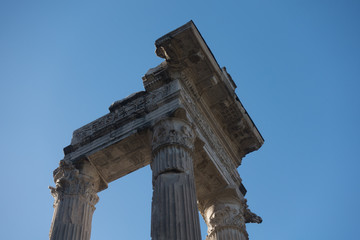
<point>70,182</point>
<point>224,214</point>
<point>173,131</point>
<point>249,216</point>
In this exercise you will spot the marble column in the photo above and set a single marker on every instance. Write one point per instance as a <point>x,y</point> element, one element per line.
<point>224,216</point>
<point>174,206</point>
<point>75,199</point>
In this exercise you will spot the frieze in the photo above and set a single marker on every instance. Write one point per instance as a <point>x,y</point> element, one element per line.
<point>188,83</point>
<point>133,108</point>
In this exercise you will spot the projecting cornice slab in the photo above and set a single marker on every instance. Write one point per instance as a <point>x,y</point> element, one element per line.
<point>189,59</point>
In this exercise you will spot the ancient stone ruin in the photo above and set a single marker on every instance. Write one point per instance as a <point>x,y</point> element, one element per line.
<point>192,129</point>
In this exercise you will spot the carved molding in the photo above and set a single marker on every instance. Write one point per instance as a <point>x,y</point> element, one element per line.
<point>121,111</point>
<point>211,138</point>
<point>173,131</point>
<point>70,182</point>
<point>249,216</point>
<point>189,58</point>
<point>156,77</point>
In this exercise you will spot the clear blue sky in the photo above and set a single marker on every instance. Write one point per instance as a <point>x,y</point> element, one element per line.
<point>297,68</point>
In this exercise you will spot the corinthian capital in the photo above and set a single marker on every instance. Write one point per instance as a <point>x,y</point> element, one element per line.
<point>222,215</point>
<point>70,182</point>
<point>173,131</point>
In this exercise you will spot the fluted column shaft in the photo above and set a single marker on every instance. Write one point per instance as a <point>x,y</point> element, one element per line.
<point>74,205</point>
<point>174,207</point>
<point>227,234</point>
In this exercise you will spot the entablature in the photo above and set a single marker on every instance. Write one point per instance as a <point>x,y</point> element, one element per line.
<point>190,79</point>
<point>188,58</point>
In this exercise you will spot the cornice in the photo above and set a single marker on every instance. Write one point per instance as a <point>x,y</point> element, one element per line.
<point>189,58</point>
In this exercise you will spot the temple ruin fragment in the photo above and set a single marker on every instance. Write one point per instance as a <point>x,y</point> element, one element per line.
<point>192,129</point>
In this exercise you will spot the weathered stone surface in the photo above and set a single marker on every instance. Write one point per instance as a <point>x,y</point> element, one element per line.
<point>210,87</point>
<point>224,215</point>
<point>226,212</point>
<point>75,198</point>
<point>189,125</point>
<point>174,209</point>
